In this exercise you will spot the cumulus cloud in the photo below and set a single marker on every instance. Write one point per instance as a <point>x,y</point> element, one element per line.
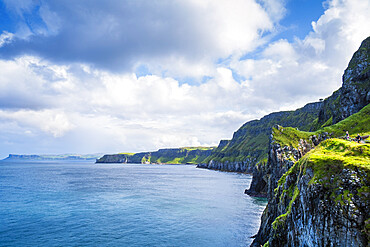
<point>117,35</point>
<point>308,69</point>
<point>54,122</point>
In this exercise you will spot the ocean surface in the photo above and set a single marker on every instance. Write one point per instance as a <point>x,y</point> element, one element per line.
<point>85,204</point>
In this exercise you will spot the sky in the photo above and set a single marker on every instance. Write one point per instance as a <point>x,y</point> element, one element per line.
<point>110,76</point>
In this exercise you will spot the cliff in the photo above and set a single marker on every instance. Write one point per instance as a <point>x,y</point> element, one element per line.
<point>355,91</point>
<point>189,155</point>
<point>317,188</point>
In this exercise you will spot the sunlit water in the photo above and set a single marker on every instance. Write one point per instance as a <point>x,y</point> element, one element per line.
<point>85,204</point>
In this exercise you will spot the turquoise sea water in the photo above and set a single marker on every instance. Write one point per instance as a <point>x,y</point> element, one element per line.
<point>85,204</point>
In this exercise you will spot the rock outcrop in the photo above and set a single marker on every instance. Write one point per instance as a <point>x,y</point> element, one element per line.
<point>245,166</point>
<point>355,91</point>
<point>113,158</point>
<point>280,159</point>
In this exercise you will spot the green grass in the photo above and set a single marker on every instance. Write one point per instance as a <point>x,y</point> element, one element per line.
<point>185,155</point>
<point>358,123</point>
<point>289,136</point>
<point>128,154</point>
<point>332,155</point>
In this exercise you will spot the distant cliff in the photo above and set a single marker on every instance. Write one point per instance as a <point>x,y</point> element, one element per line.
<point>52,157</point>
<point>190,155</point>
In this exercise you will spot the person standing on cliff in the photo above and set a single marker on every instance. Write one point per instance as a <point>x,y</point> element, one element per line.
<point>347,136</point>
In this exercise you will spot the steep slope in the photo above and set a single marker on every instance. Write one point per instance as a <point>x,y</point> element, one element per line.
<point>355,91</point>
<point>317,189</point>
<point>249,144</point>
<point>188,155</point>
<point>322,200</point>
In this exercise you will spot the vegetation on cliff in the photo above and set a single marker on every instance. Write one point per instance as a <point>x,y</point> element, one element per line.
<point>329,182</point>
<point>358,123</point>
<point>185,155</point>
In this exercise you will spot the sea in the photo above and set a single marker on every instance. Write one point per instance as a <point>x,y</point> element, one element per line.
<point>79,203</point>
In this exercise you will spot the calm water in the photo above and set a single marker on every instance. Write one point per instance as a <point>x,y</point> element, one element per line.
<point>84,204</point>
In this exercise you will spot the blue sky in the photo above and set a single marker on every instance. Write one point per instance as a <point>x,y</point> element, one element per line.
<point>298,18</point>
<point>111,76</point>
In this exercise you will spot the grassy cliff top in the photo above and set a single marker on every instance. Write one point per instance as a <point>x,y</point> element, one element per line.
<point>358,123</point>
<point>340,153</point>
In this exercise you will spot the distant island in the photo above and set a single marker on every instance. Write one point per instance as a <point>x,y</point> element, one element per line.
<point>14,157</point>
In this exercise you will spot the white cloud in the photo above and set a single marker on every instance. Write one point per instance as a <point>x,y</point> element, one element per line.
<point>54,122</point>
<point>5,38</point>
<point>308,69</point>
<point>275,9</point>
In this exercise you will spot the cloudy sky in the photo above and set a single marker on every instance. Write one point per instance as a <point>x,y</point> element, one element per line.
<point>108,76</point>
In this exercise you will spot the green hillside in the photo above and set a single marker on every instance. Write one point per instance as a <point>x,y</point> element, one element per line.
<point>185,155</point>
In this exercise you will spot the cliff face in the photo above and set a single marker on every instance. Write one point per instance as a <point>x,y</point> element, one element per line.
<point>281,158</point>
<point>231,166</point>
<point>322,200</point>
<point>317,188</point>
<point>162,156</point>
<point>355,91</point>
<point>113,158</point>
<point>249,144</point>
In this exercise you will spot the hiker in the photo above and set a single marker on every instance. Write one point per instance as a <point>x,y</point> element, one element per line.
<point>358,138</point>
<point>347,136</point>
